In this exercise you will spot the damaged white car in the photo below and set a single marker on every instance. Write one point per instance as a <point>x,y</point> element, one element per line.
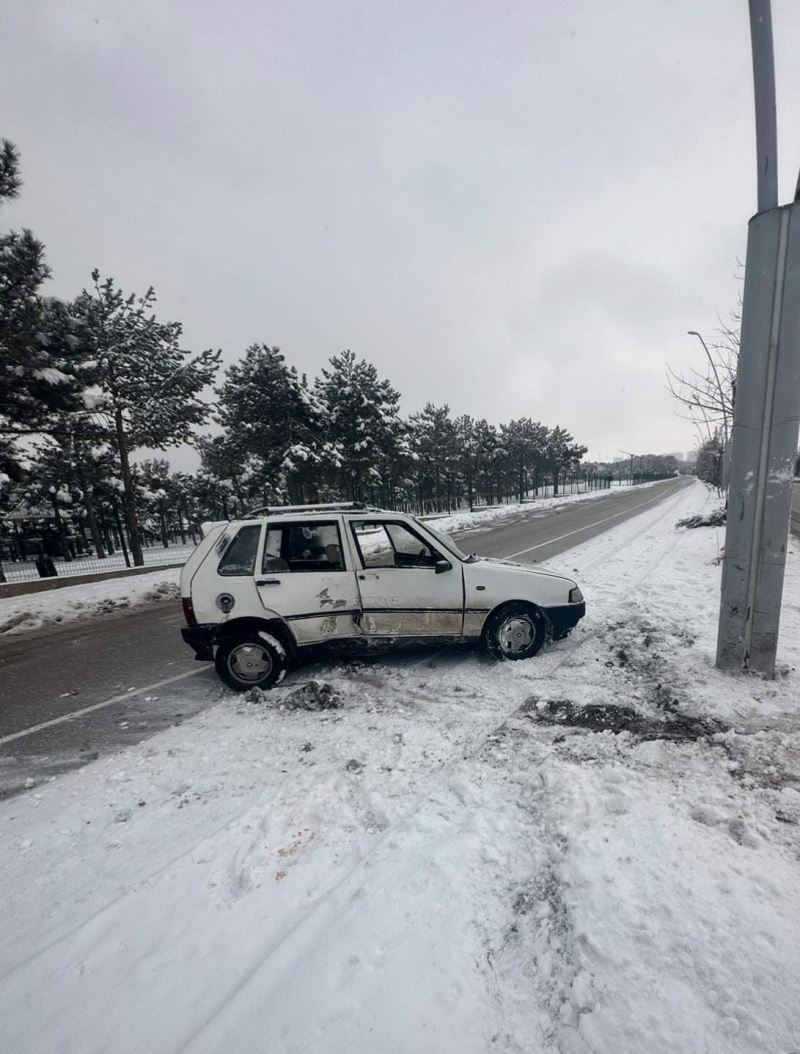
<point>262,592</point>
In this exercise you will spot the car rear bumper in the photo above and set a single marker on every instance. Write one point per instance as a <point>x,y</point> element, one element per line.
<point>201,638</point>
<point>565,616</point>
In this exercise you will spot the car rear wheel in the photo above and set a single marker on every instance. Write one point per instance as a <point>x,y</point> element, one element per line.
<point>249,661</point>
<point>516,631</point>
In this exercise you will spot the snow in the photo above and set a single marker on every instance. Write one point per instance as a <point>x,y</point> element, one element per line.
<point>444,861</point>
<point>33,610</point>
<point>93,397</point>
<point>274,642</point>
<point>51,375</point>
<point>457,522</point>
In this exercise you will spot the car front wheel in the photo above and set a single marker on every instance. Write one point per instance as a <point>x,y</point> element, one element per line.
<point>250,661</point>
<point>516,631</point>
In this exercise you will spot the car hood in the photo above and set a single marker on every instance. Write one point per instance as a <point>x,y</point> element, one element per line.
<point>512,565</point>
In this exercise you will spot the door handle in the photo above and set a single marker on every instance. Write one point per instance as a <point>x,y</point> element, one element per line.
<point>365,577</point>
<point>268,582</point>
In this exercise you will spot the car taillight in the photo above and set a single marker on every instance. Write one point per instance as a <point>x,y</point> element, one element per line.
<point>188,611</point>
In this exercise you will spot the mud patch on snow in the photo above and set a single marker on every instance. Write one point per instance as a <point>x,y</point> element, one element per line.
<point>313,695</point>
<point>163,591</point>
<point>16,620</point>
<point>597,717</point>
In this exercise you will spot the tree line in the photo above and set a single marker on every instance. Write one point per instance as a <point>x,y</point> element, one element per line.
<point>87,385</point>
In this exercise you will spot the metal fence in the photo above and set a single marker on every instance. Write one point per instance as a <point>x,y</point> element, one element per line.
<point>33,567</point>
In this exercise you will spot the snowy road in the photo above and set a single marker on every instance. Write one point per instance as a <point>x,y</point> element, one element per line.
<point>136,661</point>
<point>592,853</point>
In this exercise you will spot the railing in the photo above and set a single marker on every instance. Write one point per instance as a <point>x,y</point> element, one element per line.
<point>32,568</point>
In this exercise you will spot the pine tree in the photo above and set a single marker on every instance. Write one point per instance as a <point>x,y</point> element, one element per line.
<point>147,388</point>
<point>361,422</point>
<point>37,344</point>
<point>269,416</point>
<point>223,462</point>
<point>466,456</point>
<point>525,443</point>
<point>487,456</point>
<point>433,440</point>
<point>562,453</point>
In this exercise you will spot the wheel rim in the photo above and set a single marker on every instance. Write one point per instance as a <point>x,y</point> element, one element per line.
<point>249,662</point>
<point>515,635</point>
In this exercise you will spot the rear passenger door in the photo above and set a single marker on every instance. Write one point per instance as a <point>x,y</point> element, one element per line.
<point>401,593</point>
<point>304,578</point>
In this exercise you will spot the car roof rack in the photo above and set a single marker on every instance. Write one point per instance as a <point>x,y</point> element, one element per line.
<point>337,506</point>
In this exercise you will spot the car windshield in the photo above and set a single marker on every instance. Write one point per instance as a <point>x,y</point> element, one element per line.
<point>446,541</point>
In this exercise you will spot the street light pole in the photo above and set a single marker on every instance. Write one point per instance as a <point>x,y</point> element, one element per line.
<point>767,411</point>
<point>631,456</point>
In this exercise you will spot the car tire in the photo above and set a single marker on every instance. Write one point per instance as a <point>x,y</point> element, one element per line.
<point>250,661</point>
<point>515,631</point>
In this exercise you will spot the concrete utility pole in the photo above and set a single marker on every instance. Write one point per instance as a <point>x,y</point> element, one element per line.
<point>767,411</point>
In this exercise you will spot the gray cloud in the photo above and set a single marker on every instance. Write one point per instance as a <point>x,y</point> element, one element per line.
<point>517,209</point>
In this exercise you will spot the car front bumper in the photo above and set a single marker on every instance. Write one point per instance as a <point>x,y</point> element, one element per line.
<point>563,617</point>
<point>201,638</point>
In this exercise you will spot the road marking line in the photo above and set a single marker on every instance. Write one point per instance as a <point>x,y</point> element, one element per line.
<point>586,527</point>
<point>97,706</point>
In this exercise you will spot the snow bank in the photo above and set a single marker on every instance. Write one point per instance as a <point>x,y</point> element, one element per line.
<point>34,610</point>
<point>461,856</point>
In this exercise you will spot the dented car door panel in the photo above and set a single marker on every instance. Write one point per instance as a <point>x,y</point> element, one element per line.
<point>305,580</point>
<point>410,600</point>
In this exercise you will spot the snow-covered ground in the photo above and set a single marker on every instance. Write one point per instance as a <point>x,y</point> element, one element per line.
<point>457,858</point>
<point>29,612</point>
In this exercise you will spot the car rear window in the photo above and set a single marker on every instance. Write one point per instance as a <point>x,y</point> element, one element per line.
<point>240,556</point>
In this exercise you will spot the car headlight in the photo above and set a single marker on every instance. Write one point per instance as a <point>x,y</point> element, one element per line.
<point>575,596</point>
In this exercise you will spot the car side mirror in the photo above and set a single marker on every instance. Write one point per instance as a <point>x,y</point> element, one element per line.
<point>441,566</point>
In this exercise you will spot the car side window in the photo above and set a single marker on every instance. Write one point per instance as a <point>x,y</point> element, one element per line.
<point>383,544</point>
<point>303,547</point>
<point>240,556</point>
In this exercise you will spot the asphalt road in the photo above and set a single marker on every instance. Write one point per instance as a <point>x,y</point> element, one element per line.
<point>99,685</point>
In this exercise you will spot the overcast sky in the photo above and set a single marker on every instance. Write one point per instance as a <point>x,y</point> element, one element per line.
<point>515,208</point>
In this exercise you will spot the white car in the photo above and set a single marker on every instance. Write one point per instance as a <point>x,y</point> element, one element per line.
<point>260,592</point>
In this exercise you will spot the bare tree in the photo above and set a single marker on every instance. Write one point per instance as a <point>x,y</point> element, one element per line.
<point>707,394</point>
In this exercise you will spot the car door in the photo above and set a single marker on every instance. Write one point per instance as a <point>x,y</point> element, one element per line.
<point>402,595</point>
<point>305,579</point>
